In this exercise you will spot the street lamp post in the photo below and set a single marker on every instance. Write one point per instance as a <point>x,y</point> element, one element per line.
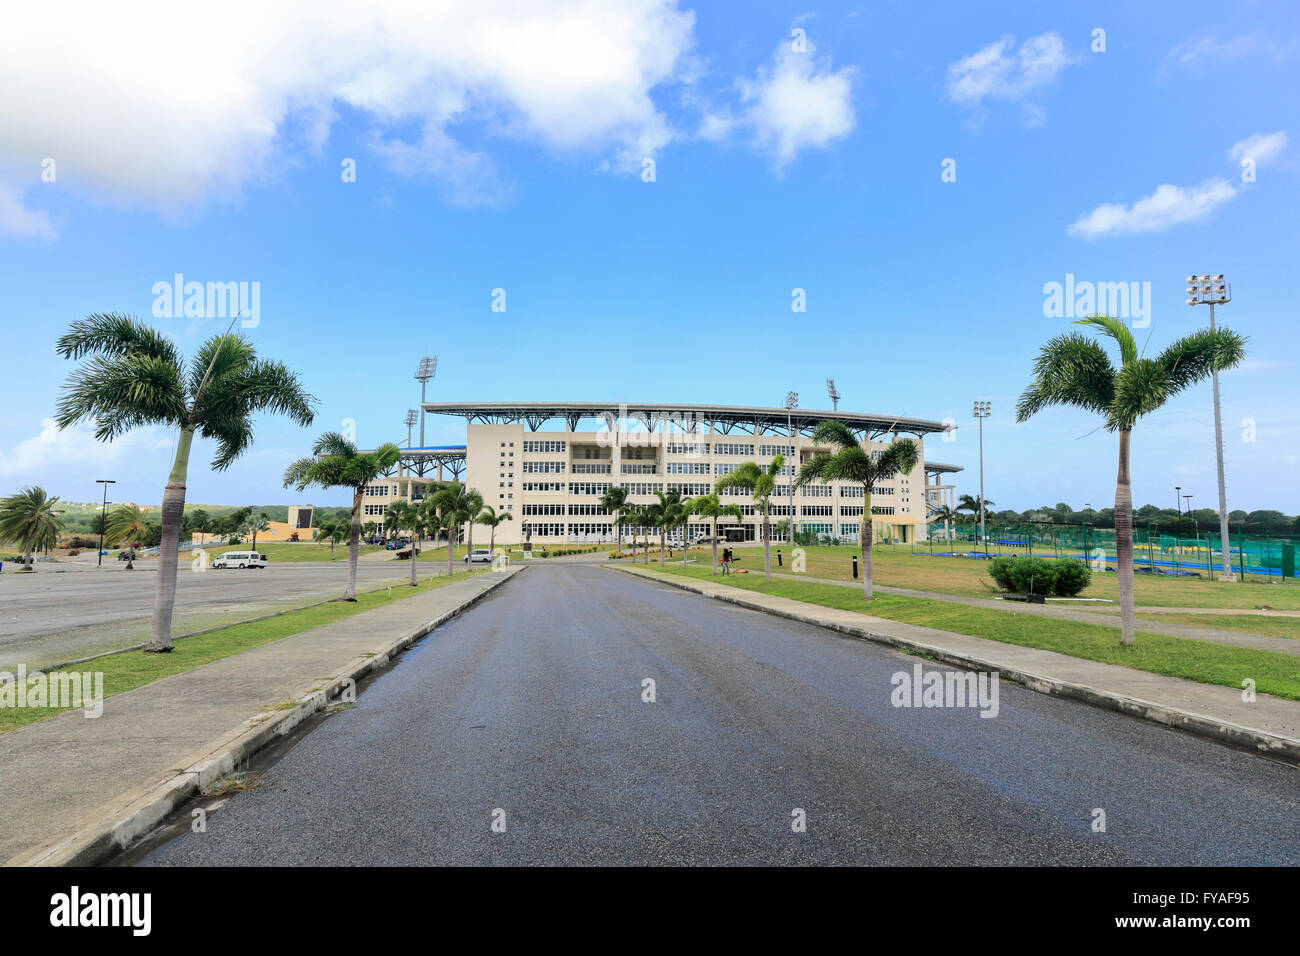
<point>409,422</point>
<point>1178,503</point>
<point>427,369</point>
<point>1212,291</point>
<point>791,403</point>
<point>103,513</point>
<point>982,412</point>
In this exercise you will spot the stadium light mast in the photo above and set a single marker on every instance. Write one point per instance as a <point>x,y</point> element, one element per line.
<point>791,403</point>
<point>427,369</point>
<point>982,412</point>
<point>1212,291</point>
<point>409,422</point>
<point>834,393</point>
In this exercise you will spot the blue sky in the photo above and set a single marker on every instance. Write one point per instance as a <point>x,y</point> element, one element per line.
<point>501,146</point>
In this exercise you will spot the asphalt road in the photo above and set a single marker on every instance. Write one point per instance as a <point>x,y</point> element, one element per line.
<point>532,703</point>
<point>49,617</point>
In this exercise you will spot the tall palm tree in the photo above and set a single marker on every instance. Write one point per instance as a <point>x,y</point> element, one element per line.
<point>613,501</point>
<point>420,522</point>
<point>978,508</point>
<point>1073,369</point>
<point>760,483</point>
<point>710,506</point>
<point>337,463</point>
<point>28,519</point>
<point>452,505</point>
<point>679,516</point>
<point>125,524</point>
<point>667,515</point>
<point>137,377</point>
<point>489,517</point>
<point>644,517</point>
<point>852,462</point>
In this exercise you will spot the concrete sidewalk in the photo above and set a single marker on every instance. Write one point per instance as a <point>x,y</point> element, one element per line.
<point>1269,724</point>
<point>1258,642</point>
<point>75,789</point>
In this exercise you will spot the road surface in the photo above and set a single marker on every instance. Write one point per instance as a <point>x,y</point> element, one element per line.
<point>49,617</point>
<point>529,710</point>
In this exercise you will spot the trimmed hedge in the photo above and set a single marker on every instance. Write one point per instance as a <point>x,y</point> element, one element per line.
<point>1060,577</point>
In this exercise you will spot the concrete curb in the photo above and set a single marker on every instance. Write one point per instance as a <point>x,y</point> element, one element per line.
<point>1282,748</point>
<point>130,816</point>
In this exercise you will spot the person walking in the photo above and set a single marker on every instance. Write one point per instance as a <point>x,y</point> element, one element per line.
<point>726,560</point>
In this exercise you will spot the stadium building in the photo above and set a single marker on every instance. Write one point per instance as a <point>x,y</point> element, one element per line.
<point>550,481</point>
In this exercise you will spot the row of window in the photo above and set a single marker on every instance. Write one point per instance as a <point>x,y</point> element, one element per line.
<point>544,467</point>
<point>545,446</point>
<point>590,468</point>
<point>377,491</point>
<point>770,451</point>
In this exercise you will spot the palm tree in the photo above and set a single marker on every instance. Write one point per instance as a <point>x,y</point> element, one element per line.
<point>760,483</point>
<point>667,515</point>
<point>252,525</point>
<point>1073,369</point>
<point>978,508</point>
<point>613,501</point>
<point>475,501</point>
<point>368,529</point>
<point>125,524</point>
<point>331,531</point>
<point>28,519</point>
<point>137,377</point>
<point>948,516</point>
<point>200,522</point>
<point>852,462</point>
<point>452,504</point>
<point>489,517</point>
<point>419,522</point>
<point>677,514</point>
<point>338,464</point>
<point>397,515</point>
<point>710,506</point>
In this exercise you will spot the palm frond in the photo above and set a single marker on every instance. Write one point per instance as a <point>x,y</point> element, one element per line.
<point>1128,350</point>
<point>1071,369</point>
<point>111,334</point>
<point>1194,357</point>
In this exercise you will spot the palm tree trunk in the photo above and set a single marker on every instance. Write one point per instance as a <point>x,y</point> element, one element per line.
<point>684,527</point>
<point>415,555</point>
<point>173,506</point>
<point>1124,541</point>
<point>864,545</point>
<point>451,550</point>
<point>715,546</point>
<point>662,535</point>
<point>767,547</point>
<point>354,547</point>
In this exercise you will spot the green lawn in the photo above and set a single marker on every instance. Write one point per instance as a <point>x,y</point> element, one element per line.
<point>1244,623</point>
<point>282,552</point>
<point>900,568</point>
<point>132,669</point>
<point>1201,661</point>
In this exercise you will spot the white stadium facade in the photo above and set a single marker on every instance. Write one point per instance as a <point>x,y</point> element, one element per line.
<point>547,464</point>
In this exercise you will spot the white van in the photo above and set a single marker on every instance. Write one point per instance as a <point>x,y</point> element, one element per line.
<point>239,559</point>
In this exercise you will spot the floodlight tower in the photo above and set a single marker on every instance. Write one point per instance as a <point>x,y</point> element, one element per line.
<point>834,393</point>
<point>409,422</point>
<point>428,369</point>
<point>1212,291</point>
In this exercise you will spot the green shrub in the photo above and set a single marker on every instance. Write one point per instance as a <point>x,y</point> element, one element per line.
<point>1062,577</point>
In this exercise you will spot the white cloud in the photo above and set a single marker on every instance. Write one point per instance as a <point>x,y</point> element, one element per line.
<point>18,220</point>
<point>794,103</point>
<point>1262,147</point>
<point>1167,206</point>
<point>74,453</point>
<point>994,72</point>
<point>171,105</point>
<point>1216,49</point>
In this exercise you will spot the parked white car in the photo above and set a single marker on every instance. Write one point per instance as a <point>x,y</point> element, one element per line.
<point>240,559</point>
<point>479,556</point>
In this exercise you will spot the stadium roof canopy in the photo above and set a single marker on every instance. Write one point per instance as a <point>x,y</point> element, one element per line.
<point>939,468</point>
<point>724,419</point>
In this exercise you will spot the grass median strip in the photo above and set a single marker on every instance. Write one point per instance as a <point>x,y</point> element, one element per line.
<point>1201,661</point>
<point>132,669</point>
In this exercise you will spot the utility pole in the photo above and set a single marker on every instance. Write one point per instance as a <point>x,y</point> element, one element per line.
<point>791,403</point>
<point>103,516</point>
<point>1178,501</point>
<point>1212,291</point>
<point>427,369</point>
<point>982,412</point>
